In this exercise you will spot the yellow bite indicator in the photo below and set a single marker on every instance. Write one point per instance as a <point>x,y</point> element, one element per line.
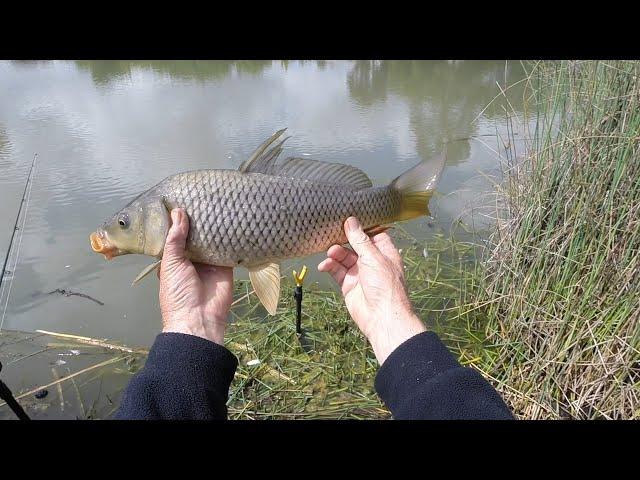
<point>300,278</point>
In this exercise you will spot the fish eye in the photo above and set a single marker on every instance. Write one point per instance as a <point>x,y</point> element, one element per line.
<point>123,220</point>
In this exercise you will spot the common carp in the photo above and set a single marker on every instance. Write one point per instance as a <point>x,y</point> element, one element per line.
<point>265,212</point>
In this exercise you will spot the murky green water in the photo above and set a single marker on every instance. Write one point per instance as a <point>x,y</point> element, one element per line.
<point>104,131</point>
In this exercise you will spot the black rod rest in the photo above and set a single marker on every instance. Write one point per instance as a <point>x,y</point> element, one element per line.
<point>298,296</point>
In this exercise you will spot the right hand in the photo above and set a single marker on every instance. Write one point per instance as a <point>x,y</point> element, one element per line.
<point>195,299</point>
<point>372,281</point>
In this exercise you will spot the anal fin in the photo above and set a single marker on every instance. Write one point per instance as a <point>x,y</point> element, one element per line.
<point>265,279</point>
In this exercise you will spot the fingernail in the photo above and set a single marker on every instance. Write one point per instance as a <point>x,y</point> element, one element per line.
<point>352,224</point>
<point>175,215</point>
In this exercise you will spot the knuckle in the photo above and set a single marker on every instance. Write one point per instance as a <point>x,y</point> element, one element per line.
<point>361,238</point>
<point>172,237</point>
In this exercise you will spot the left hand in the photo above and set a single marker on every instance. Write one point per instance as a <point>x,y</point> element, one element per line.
<point>371,277</point>
<point>194,298</point>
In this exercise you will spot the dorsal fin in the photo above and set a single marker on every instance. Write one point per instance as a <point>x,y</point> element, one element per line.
<point>264,161</point>
<point>321,172</point>
<point>258,159</point>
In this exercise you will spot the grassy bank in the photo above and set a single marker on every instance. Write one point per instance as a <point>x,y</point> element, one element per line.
<point>561,283</point>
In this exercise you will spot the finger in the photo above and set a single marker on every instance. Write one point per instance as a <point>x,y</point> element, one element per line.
<point>177,237</point>
<point>385,244</point>
<point>358,239</point>
<point>333,268</point>
<point>343,255</point>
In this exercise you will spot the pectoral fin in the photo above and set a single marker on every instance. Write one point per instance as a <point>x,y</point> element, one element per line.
<point>373,231</point>
<point>147,270</point>
<point>265,279</point>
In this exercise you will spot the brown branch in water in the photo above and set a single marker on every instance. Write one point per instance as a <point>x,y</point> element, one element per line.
<point>95,342</point>
<point>75,386</point>
<point>68,293</point>
<point>55,375</point>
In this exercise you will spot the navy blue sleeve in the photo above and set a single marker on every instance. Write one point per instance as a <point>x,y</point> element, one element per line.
<point>184,378</point>
<point>421,379</point>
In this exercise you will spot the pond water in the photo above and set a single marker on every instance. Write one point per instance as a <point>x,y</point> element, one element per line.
<point>104,131</point>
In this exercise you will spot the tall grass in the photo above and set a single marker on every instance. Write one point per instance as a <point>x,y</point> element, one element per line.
<point>561,288</point>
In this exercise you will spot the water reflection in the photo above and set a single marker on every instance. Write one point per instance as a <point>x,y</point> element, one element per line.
<point>10,187</point>
<point>5,152</point>
<point>103,72</point>
<point>444,97</point>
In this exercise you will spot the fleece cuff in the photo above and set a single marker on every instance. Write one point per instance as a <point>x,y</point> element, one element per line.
<point>202,361</point>
<point>409,366</point>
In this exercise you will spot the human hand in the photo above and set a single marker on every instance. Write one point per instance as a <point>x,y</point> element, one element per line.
<point>372,282</point>
<point>194,298</point>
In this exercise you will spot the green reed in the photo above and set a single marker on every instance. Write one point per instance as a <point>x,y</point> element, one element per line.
<point>560,286</point>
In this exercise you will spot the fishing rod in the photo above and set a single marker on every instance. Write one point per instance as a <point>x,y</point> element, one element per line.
<point>15,225</point>
<point>5,392</point>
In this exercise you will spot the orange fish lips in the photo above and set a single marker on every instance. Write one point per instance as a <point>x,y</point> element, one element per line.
<point>100,244</point>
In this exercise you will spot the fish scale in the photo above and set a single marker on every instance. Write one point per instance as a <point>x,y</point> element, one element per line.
<point>259,218</point>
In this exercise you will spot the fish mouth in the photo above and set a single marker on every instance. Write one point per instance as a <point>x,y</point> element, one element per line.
<point>100,244</point>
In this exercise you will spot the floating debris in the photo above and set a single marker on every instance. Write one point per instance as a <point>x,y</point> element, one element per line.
<point>68,293</point>
<point>42,393</point>
<point>71,352</point>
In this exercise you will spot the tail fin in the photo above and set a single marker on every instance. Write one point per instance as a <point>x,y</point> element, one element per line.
<point>417,185</point>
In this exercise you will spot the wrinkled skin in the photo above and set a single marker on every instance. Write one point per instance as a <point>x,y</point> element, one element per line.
<point>195,299</point>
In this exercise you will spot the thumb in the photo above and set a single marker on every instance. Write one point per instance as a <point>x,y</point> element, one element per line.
<point>176,240</point>
<point>358,239</point>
